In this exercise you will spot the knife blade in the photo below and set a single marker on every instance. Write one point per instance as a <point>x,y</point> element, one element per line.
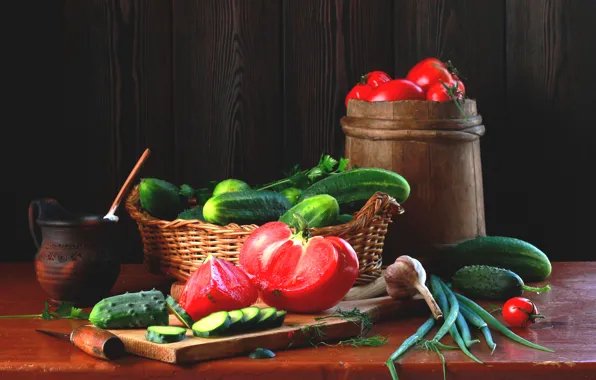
<point>92,340</point>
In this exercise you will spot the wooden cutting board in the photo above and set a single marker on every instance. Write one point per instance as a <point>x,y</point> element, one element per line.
<point>290,335</point>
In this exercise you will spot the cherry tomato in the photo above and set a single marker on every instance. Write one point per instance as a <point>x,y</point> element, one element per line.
<point>375,78</point>
<point>428,72</point>
<point>295,273</point>
<point>520,312</point>
<point>396,89</point>
<point>439,93</point>
<point>359,91</point>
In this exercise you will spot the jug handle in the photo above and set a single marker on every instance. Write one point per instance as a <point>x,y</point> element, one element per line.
<point>39,204</point>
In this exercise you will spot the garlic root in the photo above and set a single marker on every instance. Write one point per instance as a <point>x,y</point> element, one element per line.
<point>406,277</point>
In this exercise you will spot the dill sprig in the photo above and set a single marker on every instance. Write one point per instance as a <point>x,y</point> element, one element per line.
<point>355,315</point>
<point>359,341</point>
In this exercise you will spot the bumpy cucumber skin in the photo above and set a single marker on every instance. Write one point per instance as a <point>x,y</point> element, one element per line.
<point>487,282</point>
<point>229,186</point>
<point>179,312</point>
<point>520,257</point>
<point>245,207</point>
<point>164,339</point>
<point>195,213</point>
<point>318,211</point>
<point>160,198</point>
<point>131,310</point>
<point>354,187</point>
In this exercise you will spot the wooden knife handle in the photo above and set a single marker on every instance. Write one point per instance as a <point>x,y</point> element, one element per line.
<point>97,342</point>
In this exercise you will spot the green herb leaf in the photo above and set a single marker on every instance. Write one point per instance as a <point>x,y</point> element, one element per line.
<point>77,313</point>
<point>343,164</point>
<point>45,314</point>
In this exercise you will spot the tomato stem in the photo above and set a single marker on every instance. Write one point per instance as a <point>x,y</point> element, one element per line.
<point>453,93</point>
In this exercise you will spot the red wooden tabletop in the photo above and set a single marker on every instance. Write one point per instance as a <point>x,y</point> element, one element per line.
<point>569,329</point>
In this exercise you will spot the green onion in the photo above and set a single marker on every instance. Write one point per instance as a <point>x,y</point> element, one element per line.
<point>441,290</point>
<point>494,323</point>
<point>461,323</point>
<point>478,322</point>
<point>419,334</point>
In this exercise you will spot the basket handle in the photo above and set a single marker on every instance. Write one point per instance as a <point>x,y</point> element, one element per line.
<point>379,203</point>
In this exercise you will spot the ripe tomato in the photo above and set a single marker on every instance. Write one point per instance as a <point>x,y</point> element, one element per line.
<point>359,91</point>
<point>439,93</point>
<point>217,285</point>
<point>428,72</point>
<point>396,89</point>
<point>295,273</point>
<point>520,312</point>
<point>375,78</point>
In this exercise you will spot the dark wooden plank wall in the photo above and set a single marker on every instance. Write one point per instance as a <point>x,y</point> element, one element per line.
<point>246,88</point>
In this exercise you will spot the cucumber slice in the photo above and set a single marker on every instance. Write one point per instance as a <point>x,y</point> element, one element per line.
<point>213,324</point>
<point>165,334</point>
<point>179,312</point>
<point>261,353</point>
<point>236,321</point>
<point>280,317</point>
<point>250,317</point>
<point>267,316</point>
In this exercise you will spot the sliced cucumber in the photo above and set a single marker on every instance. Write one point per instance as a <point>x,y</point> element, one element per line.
<point>236,321</point>
<point>250,317</point>
<point>179,312</point>
<point>213,324</point>
<point>280,317</point>
<point>267,316</point>
<point>165,334</point>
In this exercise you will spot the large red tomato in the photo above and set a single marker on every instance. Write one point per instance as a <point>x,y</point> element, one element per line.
<point>375,78</point>
<point>215,286</point>
<point>397,89</point>
<point>439,92</point>
<point>359,91</point>
<point>296,273</point>
<point>428,72</point>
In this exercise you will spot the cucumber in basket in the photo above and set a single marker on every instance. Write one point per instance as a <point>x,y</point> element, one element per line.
<point>354,187</point>
<point>318,211</point>
<point>245,207</point>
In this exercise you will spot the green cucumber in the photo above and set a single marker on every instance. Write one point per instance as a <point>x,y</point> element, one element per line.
<point>318,211</point>
<point>267,316</point>
<point>230,186</point>
<point>131,310</point>
<point>354,187</point>
<point>250,316</point>
<point>214,324</point>
<point>165,334</point>
<point>292,194</point>
<point>161,199</point>
<point>520,257</point>
<point>195,213</point>
<point>245,207</point>
<point>344,218</point>
<point>487,282</point>
<point>179,312</point>
<point>280,317</point>
<point>236,321</point>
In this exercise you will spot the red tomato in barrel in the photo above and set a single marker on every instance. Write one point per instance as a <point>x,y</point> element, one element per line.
<point>297,273</point>
<point>440,92</point>
<point>520,312</point>
<point>428,72</point>
<point>217,285</point>
<point>375,78</point>
<point>359,91</point>
<point>394,90</point>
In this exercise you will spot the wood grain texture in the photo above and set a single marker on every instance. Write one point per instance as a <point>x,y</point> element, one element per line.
<point>550,124</point>
<point>228,90</point>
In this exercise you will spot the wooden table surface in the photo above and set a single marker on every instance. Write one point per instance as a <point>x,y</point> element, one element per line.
<point>569,329</point>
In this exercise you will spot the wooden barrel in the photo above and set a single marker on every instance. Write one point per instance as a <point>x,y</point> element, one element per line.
<point>437,150</point>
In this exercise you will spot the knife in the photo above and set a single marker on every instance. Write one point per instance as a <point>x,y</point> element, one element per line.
<point>94,341</point>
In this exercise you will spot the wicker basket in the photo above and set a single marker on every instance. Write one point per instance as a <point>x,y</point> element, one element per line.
<point>177,248</point>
